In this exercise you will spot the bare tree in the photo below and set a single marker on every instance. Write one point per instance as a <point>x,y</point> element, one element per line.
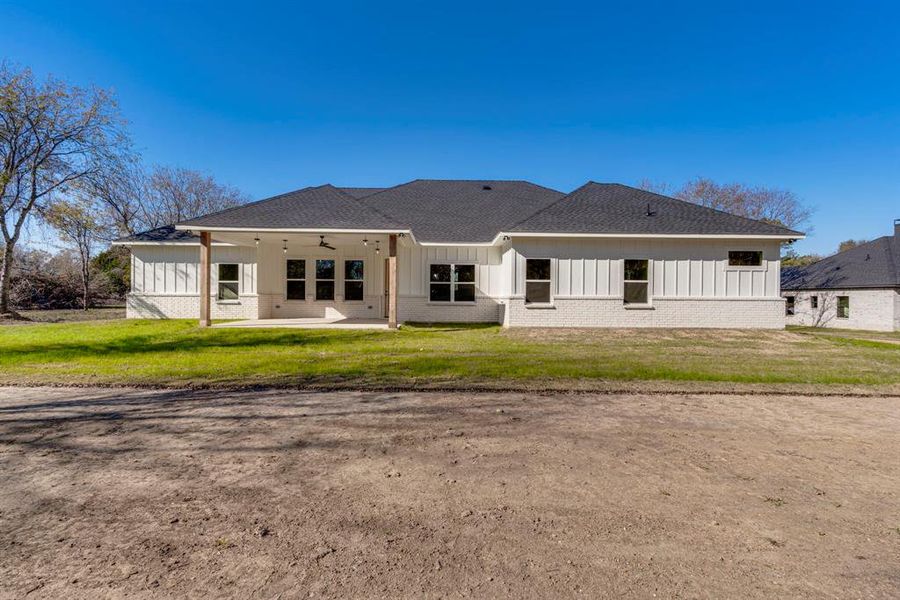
<point>177,194</point>
<point>121,188</point>
<point>848,244</point>
<point>773,205</point>
<point>77,222</point>
<point>51,135</point>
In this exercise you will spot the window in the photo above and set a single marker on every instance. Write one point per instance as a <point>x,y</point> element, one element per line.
<point>814,302</point>
<point>353,280</point>
<point>296,279</point>
<point>228,282</point>
<point>843,307</point>
<point>790,303</point>
<point>324,280</point>
<point>637,281</point>
<point>537,281</point>
<point>451,283</point>
<point>744,258</point>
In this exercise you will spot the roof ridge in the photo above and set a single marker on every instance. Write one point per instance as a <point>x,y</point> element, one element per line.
<point>245,205</point>
<point>718,210</point>
<point>554,203</point>
<point>359,202</point>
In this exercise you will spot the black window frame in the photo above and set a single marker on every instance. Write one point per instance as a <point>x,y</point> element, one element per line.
<point>814,302</point>
<point>229,284</point>
<point>288,279</point>
<point>758,254</point>
<point>359,283</point>
<point>324,280</point>
<point>453,283</point>
<point>790,306</point>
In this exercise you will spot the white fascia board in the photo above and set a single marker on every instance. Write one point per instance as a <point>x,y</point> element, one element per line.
<point>289,230</point>
<point>166,243</point>
<point>314,230</point>
<point>458,244</point>
<point>676,236</point>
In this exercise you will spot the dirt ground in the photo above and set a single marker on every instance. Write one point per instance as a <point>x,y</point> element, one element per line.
<point>124,493</point>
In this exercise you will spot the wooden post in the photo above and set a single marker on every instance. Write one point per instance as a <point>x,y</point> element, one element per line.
<point>392,281</point>
<point>204,278</point>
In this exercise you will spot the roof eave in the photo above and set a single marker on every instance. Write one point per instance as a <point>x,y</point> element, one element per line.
<point>722,236</point>
<point>314,230</point>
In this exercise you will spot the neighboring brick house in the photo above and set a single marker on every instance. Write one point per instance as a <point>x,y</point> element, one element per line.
<point>855,289</point>
<point>510,252</point>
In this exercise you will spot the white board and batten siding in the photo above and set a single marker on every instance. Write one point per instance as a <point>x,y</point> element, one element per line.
<point>174,270</point>
<point>592,267</point>
<point>415,262</point>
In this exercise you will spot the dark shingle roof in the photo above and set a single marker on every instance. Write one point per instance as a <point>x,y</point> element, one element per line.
<point>322,207</point>
<point>464,211</point>
<point>361,192</point>
<point>475,211</point>
<point>161,234</point>
<point>873,264</point>
<point>616,208</point>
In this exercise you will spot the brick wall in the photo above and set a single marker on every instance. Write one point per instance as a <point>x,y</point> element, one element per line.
<point>874,310</point>
<point>151,306</point>
<point>765,313</point>
<point>418,309</point>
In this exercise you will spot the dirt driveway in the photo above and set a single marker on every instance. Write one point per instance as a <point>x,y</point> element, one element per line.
<point>115,493</point>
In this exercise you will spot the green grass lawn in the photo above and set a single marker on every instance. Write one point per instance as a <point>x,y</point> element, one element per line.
<point>179,353</point>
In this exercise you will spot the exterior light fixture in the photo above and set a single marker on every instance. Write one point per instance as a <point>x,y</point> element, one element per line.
<point>284,248</point>
<point>365,242</point>
<point>256,239</point>
<point>377,248</point>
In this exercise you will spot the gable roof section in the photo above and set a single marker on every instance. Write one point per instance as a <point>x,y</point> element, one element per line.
<point>460,211</point>
<point>322,207</point>
<point>871,265</point>
<point>613,208</point>
<point>361,192</point>
<point>167,234</point>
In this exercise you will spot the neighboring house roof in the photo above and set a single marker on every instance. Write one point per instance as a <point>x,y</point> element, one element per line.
<point>322,207</point>
<point>875,264</point>
<point>463,211</point>
<point>477,211</point>
<point>614,208</point>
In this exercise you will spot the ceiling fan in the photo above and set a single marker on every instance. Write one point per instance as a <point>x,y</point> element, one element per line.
<point>324,244</point>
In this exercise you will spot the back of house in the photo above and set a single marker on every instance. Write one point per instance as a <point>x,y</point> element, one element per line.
<point>509,252</point>
<point>855,289</point>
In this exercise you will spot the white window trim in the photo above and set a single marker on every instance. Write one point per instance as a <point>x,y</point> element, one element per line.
<point>451,283</point>
<point>220,281</point>
<point>344,280</point>
<point>548,304</point>
<point>305,279</point>
<point>638,305</point>
<point>762,266</point>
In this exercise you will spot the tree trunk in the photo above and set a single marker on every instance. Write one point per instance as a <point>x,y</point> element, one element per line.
<point>86,281</point>
<point>5,276</point>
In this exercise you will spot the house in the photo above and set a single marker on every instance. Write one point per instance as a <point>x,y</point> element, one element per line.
<point>510,252</point>
<point>857,289</point>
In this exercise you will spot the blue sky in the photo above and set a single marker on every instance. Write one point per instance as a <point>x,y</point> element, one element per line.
<point>273,97</point>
